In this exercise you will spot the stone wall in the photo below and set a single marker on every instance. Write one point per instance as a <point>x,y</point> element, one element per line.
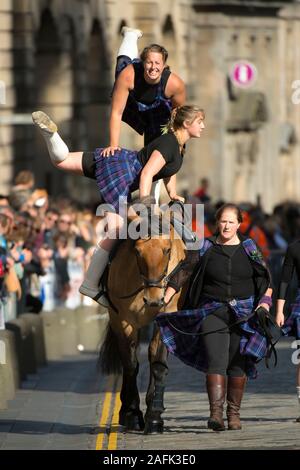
<point>60,57</point>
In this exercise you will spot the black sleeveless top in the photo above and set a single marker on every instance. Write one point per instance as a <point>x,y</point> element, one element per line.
<point>143,91</point>
<point>147,109</point>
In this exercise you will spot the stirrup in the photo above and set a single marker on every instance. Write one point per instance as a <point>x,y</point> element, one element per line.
<point>98,295</point>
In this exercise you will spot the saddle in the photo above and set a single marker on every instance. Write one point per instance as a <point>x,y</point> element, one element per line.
<point>186,233</point>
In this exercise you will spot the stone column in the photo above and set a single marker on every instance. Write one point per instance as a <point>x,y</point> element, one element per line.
<point>7,93</point>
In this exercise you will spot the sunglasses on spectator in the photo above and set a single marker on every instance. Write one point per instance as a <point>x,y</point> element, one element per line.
<point>52,218</point>
<point>65,221</point>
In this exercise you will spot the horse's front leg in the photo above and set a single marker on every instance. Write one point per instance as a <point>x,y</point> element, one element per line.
<point>130,415</point>
<point>155,394</point>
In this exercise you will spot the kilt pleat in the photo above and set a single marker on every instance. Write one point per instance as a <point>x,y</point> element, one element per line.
<point>117,175</point>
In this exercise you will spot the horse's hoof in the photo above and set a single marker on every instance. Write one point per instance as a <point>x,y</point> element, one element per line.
<point>132,422</point>
<point>154,427</point>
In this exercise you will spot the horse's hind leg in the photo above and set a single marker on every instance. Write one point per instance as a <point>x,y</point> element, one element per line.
<point>155,393</point>
<point>130,415</point>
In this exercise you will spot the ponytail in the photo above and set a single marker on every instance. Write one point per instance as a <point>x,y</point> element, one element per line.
<point>180,114</point>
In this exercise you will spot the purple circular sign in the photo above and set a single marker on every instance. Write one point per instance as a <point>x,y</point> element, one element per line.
<point>243,74</point>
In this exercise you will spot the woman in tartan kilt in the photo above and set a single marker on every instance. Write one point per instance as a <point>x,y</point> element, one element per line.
<point>145,90</point>
<point>118,175</point>
<point>290,326</point>
<point>218,332</point>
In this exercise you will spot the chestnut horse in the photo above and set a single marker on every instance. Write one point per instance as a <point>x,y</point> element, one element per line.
<point>136,286</point>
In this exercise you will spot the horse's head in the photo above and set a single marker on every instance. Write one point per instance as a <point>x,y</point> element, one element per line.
<point>153,252</point>
<point>153,255</point>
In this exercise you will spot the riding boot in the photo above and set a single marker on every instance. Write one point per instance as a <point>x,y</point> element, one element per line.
<point>91,286</point>
<point>235,392</point>
<point>216,385</point>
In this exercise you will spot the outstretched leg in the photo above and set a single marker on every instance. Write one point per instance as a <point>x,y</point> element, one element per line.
<point>72,161</point>
<point>57,148</point>
<point>155,394</point>
<point>129,46</point>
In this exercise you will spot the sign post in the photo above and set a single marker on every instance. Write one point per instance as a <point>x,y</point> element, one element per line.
<point>243,74</point>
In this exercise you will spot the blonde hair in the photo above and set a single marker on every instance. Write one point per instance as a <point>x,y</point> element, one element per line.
<point>180,114</point>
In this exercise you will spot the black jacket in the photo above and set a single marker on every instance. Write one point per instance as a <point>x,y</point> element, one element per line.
<point>193,269</point>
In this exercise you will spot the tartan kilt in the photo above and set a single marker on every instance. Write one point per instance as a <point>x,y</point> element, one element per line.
<point>190,349</point>
<point>291,325</point>
<point>118,175</point>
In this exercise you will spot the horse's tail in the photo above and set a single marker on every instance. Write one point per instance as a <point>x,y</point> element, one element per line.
<point>109,361</point>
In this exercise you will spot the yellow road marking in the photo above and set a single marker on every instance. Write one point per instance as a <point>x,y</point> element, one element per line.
<point>113,437</point>
<point>105,414</point>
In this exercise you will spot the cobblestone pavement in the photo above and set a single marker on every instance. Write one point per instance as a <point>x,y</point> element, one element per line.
<point>68,406</point>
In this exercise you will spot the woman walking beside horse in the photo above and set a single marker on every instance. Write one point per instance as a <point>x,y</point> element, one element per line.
<point>218,333</point>
<point>124,172</point>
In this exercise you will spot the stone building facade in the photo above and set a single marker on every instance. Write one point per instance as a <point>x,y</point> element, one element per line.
<point>60,56</point>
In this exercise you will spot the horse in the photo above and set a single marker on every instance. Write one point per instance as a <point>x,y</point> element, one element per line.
<point>136,285</point>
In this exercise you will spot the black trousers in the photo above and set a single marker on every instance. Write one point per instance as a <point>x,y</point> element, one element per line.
<point>223,348</point>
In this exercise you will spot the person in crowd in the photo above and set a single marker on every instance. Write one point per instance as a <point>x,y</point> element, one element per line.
<point>21,241</point>
<point>126,171</point>
<point>291,326</point>
<point>4,201</point>
<point>218,332</point>
<point>249,228</point>
<point>47,286</point>
<point>24,181</point>
<point>202,192</point>
<point>50,221</point>
<point>61,256</point>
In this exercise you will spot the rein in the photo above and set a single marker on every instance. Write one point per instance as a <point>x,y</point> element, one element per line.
<point>238,322</point>
<point>151,282</point>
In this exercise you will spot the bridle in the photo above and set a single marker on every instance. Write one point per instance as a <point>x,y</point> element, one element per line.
<point>160,282</point>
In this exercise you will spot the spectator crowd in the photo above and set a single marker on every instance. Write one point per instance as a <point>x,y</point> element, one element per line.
<point>46,243</point>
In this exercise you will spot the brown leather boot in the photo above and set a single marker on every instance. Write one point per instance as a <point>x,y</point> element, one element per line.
<point>215,385</point>
<point>235,392</point>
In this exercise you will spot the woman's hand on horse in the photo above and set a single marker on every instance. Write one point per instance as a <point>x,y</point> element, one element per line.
<point>169,294</point>
<point>108,151</point>
<point>178,198</point>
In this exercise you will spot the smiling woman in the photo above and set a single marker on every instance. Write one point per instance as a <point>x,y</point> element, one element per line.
<point>145,90</point>
<point>144,93</point>
<point>119,175</point>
